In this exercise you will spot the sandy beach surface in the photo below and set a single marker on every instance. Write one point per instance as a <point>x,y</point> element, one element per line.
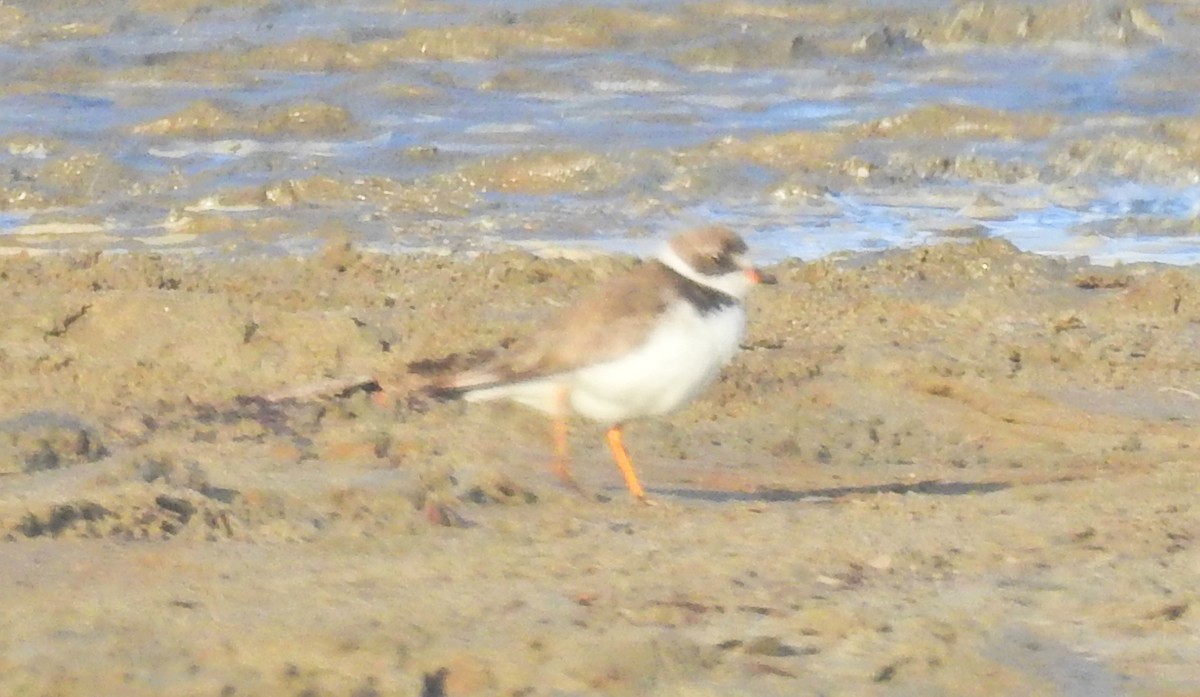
<point>956,470</point>
<point>941,464</point>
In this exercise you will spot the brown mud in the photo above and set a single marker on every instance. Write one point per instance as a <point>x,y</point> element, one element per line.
<point>951,470</point>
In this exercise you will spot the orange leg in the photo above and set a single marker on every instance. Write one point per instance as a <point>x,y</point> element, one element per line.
<point>561,464</point>
<point>625,464</point>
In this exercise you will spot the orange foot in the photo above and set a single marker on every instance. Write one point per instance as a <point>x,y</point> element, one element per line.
<point>561,464</point>
<point>621,455</point>
<point>562,471</point>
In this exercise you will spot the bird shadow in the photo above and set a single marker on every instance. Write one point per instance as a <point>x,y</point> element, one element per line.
<point>928,487</point>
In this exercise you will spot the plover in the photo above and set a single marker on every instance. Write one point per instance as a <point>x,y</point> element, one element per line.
<point>642,344</point>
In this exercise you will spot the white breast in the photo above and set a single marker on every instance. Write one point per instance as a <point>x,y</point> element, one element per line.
<point>678,360</point>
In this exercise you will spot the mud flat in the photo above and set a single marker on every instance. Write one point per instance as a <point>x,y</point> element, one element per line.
<point>957,469</point>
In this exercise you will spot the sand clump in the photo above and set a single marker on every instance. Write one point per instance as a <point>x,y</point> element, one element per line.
<point>205,119</point>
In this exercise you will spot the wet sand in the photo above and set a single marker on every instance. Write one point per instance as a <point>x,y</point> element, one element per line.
<point>251,127</point>
<point>951,470</point>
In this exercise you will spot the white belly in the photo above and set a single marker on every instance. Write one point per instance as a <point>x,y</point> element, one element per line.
<point>677,361</point>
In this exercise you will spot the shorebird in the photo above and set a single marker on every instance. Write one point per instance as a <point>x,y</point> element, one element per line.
<point>642,344</point>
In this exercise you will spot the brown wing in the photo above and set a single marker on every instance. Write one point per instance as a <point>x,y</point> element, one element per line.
<point>609,321</point>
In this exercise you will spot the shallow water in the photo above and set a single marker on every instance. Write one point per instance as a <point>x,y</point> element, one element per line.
<point>464,126</point>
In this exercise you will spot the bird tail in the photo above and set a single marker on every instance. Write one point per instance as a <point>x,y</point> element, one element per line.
<point>461,385</point>
<point>455,376</point>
